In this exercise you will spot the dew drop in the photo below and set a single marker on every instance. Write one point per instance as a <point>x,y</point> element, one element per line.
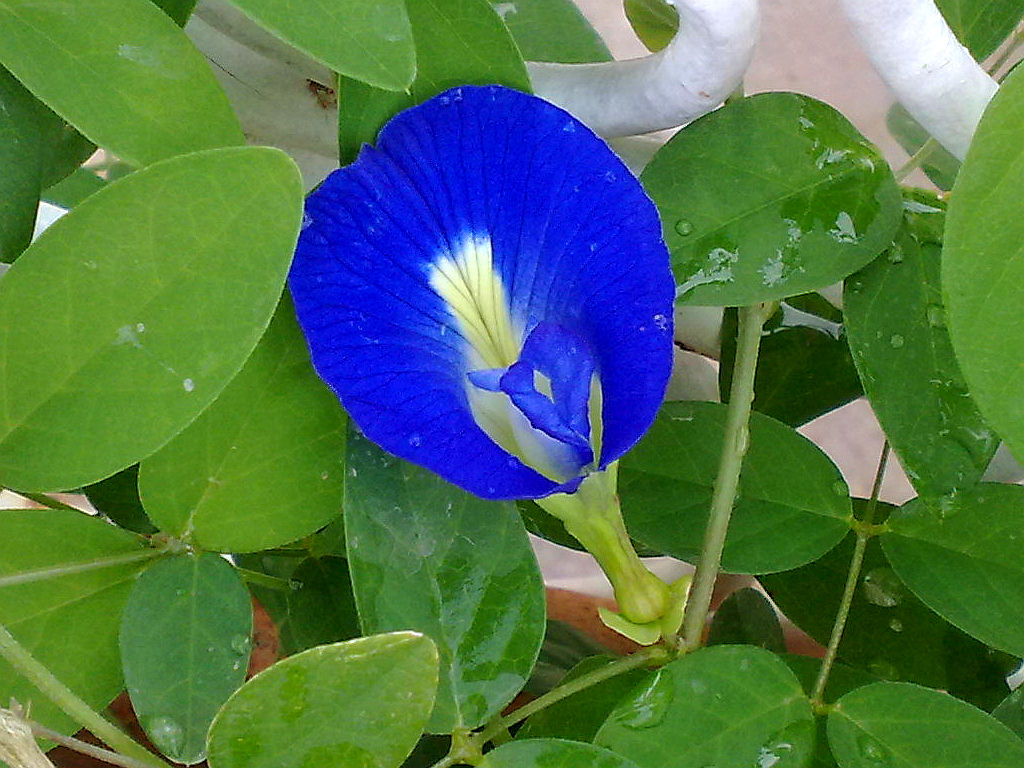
<point>306,221</point>
<point>294,585</point>
<point>188,385</point>
<point>883,669</point>
<point>415,440</point>
<point>166,734</point>
<point>873,753</point>
<point>324,475</point>
<point>683,227</point>
<point>895,254</point>
<point>140,327</point>
<point>649,707</point>
<point>352,472</point>
<point>896,341</point>
<point>241,644</point>
<point>896,625</point>
<point>936,316</point>
<point>883,588</point>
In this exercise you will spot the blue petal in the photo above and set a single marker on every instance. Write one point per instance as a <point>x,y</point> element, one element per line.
<point>574,240</point>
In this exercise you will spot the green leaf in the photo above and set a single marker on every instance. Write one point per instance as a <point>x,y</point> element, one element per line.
<point>938,163</point>
<point>983,264</point>
<point>23,122</point>
<point>727,706</point>
<point>897,328</point>
<point>552,753</point>
<point>768,197</point>
<point>72,190</point>
<point>360,704</point>
<point>111,345</point>
<point>747,618</point>
<point>370,42</point>
<point>458,42</point>
<point>804,366</point>
<point>121,72</point>
<point>961,555</point>
<point>65,616</point>
<point>320,604</point>
<point>264,465</point>
<point>178,10</point>
<point>117,498</point>
<point>982,25</point>
<point>654,21</point>
<point>1010,712</point>
<point>428,556</point>
<point>889,632</point>
<point>898,725</point>
<point>578,717</point>
<point>185,641</point>
<point>552,30</point>
<point>792,508</point>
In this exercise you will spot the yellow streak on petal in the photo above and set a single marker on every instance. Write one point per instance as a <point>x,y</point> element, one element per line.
<point>474,293</point>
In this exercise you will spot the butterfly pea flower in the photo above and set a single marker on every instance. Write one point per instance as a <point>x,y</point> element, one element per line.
<point>488,293</point>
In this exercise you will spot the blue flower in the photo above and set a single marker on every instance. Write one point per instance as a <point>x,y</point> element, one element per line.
<point>488,293</point>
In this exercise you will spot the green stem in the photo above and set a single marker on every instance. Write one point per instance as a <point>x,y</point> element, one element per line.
<point>85,748</point>
<point>852,578</point>
<point>264,579</point>
<point>916,159</point>
<point>734,448</point>
<point>47,501</point>
<point>642,658</point>
<point>65,569</point>
<point>15,654</point>
<point>1006,54</point>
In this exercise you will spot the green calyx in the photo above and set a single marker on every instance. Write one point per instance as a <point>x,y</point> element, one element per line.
<point>592,515</point>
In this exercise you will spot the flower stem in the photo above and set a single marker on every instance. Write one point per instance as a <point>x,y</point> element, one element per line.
<point>65,569</point>
<point>852,577</point>
<point>734,448</point>
<point>916,160</point>
<point>15,654</point>
<point>264,580</point>
<point>642,658</point>
<point>85,747</point>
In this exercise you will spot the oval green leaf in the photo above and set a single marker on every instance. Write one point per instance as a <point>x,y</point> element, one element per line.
<point>654,21</point>
<point>890,634</point>
<point>121,72</point>
<point>185,640</point>
<point>896,325</point>
<point>360,704</point>
<point>428,556</point>
<point>983,264</point>
<point>458,42</point>
<point>961,554</point>
<point>552,30</point>
<point>553,753</point>
<point>898,725</point>
<point>130,314</point>
<point>792,508</point>
<point>371,42</point>
<point>982,25</point>
<point>276,432</point>
<point>319,604</point>
<point>768,197</point>
<point>64,580</point>
<point>117,499</point>
<point>727,706</point>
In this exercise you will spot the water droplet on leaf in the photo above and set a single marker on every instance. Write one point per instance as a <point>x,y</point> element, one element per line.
<point>872,752</point>
<point>166,734</point>
<point>896,341</point>
<point>241,644</point>
<point>683,227</point>
<point>649,707</point>
<point>883,588</point>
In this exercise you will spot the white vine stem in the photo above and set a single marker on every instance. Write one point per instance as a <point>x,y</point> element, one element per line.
<point>930,73</point>
<point>702,65</point>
